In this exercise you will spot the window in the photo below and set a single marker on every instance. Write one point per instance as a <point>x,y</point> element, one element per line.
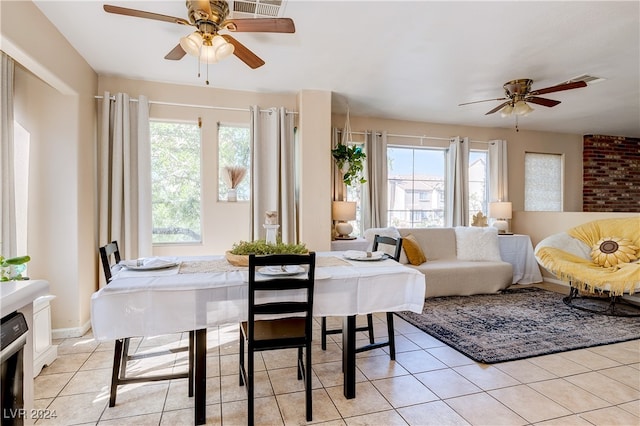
<point>477,183</point>
<point>21,149</point>
<point>543,177</point>
<point>234,149</point>
<point>175,182</point>
<point>415,187</point>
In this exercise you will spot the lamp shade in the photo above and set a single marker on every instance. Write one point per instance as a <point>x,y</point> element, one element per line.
<point>343,210</point>
<point>500,210</point>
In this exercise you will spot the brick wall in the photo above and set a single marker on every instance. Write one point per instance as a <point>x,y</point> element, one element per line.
<point>611,174</point>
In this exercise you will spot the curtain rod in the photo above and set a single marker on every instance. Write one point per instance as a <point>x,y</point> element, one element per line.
<point>195,106</point>
<point>413,136</point>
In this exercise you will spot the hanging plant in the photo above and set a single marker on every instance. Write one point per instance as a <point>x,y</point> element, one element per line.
<point>350,161</point>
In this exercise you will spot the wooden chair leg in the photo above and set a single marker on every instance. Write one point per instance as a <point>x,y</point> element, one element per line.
<point>250,383</point>
<point>192,355</point>
<point>241,355</point>
<point>115,371</point>
<point>308,383</point>
<point>323,332</point>
<point>372,340</point>
<point>392,337</point>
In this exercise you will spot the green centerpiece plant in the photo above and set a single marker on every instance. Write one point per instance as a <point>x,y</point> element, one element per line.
<point>11,269</point>
<point>239,253</point>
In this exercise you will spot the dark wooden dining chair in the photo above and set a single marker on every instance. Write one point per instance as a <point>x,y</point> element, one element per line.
<point>378,239</point>
<point>110,256</point>
<point>286,323</point>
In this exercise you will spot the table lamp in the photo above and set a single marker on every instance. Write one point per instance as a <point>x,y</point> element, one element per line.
<point>342,212</point>
<point>500,211</point>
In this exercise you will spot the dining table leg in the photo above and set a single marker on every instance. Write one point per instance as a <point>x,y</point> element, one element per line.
<point>349,355</point>
<point>200,378</point>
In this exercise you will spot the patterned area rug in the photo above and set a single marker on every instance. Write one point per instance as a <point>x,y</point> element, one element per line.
<point>517,324</point>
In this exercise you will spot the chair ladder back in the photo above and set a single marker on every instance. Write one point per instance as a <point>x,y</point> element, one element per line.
<point>281,284</point>
<point>106,252</point>
<point>397,242</point>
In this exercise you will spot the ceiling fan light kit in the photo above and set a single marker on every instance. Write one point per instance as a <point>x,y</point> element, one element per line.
<point>518,93</point>
<point>209,17</point>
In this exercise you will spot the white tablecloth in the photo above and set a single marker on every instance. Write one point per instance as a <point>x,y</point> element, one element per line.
<point>518,251</point>
<point>148,303</point>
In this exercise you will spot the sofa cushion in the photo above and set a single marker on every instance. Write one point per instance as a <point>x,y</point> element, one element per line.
<point>412,249</point>
<point>464,278</point>
<point>477,244</point>
<point>436,243</point>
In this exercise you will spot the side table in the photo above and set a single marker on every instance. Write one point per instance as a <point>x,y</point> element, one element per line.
<point>344,245</point>
<point>518,251</point>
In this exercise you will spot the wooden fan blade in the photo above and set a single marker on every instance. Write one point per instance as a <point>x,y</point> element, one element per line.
<point>541,101</point>
<point>485,100</point>
<point>559,88</point>
<point>176,53</point>
<point>260,25</point>
<point>142,14</point>
<point>243,53</point>
<point>499,107</point>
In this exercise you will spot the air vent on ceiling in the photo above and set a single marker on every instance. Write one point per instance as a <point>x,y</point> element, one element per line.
<point>257,8</point>
<point>589,79</point>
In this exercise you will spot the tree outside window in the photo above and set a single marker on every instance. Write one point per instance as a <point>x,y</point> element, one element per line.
<point>175,182</point>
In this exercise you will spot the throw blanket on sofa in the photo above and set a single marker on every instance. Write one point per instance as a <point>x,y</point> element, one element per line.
<point>586,275</point>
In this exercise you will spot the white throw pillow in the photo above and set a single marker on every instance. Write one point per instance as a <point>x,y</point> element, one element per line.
<point>476,244</point>
<point>392,232</point>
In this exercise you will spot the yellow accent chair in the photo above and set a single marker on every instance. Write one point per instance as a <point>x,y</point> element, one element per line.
<point>599,260</point>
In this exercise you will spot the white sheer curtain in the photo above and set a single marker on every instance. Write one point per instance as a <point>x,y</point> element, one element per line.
<point>8,241</point>
<point>124,157</point>
<point>374,194</point>
<point>457,178</point>
<point>273,177</point>
<point>498,171</point>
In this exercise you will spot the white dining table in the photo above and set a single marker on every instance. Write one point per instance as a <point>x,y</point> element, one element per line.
<point>207,291</point>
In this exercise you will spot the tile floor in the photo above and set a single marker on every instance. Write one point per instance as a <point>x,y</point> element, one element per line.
<point>428,384</point>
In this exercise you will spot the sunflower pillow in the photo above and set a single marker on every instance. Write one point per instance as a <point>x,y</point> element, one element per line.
<point>611,251</point>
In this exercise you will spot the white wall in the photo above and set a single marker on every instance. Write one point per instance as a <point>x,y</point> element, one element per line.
<point>54,90</point>
<point>568,145</point>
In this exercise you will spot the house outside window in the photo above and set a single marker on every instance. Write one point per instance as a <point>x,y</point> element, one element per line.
<point>175,182</point>
<point>416,187</point>
<point>478,188</point>
<point>543,182</point>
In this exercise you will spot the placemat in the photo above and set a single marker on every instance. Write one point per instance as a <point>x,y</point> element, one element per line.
<point>221,265</point>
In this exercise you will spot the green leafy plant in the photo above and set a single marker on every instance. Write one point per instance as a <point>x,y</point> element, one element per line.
<point>352,157</point>
<point>11,269</point>
<point>263,247</point>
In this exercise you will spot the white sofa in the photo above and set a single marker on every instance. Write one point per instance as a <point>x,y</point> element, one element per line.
<point>448,272</point>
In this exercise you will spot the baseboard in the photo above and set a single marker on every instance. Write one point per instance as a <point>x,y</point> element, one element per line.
<point>555,281</point>
<point>63,333</point>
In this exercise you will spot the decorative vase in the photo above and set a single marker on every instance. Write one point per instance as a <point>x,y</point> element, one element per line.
<point>232,195</point>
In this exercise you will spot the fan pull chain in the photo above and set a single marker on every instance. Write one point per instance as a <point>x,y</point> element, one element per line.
<point>517,130</point>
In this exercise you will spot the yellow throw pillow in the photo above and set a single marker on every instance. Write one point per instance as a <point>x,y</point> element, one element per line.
<point>413,251</point>
<point>610,251</point>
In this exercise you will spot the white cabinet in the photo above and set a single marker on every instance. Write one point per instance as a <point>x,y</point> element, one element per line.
<point>44,353</point>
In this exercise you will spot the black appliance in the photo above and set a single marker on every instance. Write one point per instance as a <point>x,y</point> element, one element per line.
<point>13,337</point>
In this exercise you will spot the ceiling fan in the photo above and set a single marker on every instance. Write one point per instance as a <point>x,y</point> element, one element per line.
<point>518,93</point>
<point>209,17</point>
